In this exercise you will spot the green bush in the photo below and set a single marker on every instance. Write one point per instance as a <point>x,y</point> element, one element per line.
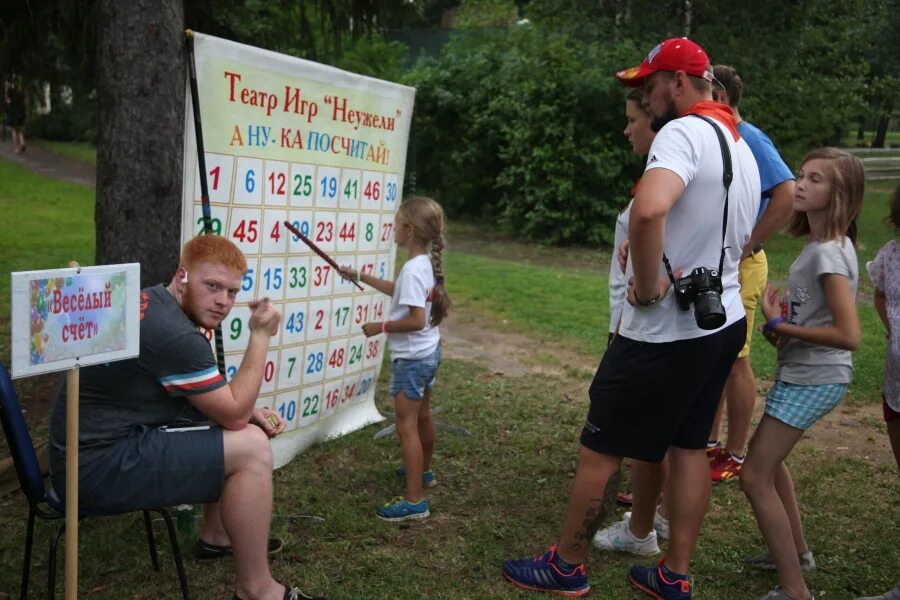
<point>525,126</point>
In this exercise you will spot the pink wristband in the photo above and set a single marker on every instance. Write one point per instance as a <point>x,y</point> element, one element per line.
<point>384,325</point>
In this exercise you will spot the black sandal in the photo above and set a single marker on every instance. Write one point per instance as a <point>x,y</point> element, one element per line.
<point>206,551</point>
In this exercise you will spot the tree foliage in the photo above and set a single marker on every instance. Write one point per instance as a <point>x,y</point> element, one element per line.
<point>524,126</point>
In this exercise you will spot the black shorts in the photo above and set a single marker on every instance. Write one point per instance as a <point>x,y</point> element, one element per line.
<point>151,468</point>
<point>646,397</point>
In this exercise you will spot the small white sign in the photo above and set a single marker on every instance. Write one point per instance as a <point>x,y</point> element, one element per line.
<point>73,317</point>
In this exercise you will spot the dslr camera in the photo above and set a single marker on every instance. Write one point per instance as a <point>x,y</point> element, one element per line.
<point>703,289</point>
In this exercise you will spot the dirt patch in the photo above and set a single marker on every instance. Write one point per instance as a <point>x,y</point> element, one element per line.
<point>853,431</point>
<point>848,431</point>
<point>465,336</point>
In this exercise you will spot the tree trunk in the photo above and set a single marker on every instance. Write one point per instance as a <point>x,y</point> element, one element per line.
<point>140,98</point>
<point>881,125</point>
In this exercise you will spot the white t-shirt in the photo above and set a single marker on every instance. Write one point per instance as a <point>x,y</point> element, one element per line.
<point>689,147</point>
<point>413,287</point>
<point>618,284</point>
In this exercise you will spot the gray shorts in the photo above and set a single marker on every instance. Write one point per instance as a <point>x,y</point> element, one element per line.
<point>151,468</point>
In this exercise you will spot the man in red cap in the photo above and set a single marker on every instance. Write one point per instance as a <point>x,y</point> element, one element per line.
<point>659,383</point>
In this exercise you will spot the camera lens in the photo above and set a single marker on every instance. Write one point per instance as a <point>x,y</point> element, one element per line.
<point>708,310</point>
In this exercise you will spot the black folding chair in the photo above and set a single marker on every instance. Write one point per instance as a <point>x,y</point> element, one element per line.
<point>45,504</point>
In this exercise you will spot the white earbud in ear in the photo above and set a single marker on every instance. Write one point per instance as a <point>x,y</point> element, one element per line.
<point>184,279</point>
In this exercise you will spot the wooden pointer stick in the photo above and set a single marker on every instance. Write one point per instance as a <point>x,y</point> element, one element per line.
<point>317,250</point>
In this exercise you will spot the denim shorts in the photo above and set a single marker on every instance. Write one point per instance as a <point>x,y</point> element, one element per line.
<point>802,405</point>
<point>415,376</point>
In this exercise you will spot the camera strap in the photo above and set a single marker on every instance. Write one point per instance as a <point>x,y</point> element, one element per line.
<point>727,176</point>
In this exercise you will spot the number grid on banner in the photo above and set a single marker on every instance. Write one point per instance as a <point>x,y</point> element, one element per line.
<point>288,140</point>
<point>318,360</point>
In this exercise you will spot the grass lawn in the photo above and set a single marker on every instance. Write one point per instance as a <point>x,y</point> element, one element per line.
<point>501,492</point>
<point>892,138</point>
<point>80,151</point>
<point>46,223</point>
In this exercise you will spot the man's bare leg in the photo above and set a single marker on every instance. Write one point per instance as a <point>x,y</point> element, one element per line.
<point>689,487</point>
<point>245,508</point>
<point>591,499</point>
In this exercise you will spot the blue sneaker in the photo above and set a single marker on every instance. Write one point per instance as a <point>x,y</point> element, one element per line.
<point>541,574</point>
<point>661,583</point>
<point>401,509</point>
<point>428,478</point>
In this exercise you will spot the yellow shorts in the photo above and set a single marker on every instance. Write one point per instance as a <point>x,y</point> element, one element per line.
<point>752,274</point>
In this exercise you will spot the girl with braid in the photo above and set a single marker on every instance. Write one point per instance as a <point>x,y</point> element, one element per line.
<point>418,304</point>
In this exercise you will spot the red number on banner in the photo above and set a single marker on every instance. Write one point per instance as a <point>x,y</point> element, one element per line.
<point>215,176</point>
<point>362,314</point>
<point>372,349</point>
<point>386,229</point>
<point>320,315</point>
<point>276,231</point>
<point>324,231</point>
<point>373,191</point>
<point>331,399</point>
<point>246,230</point>
<point>280,178</point>
<point>322,273</point>
<point>348,392</point>
<point>337,358</point>
<point>269,371</point>
<point>378,310</point>
<point>348,232</point>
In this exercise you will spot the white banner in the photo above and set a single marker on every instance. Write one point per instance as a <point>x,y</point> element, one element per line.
<point>291,140</point>
<point>74,317</point>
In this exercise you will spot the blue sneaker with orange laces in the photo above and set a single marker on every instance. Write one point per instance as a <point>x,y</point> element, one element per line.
<point>660,582</point>
<point>543,574</point>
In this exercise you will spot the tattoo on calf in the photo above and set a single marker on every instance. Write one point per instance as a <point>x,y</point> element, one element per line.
<point>597,512</point>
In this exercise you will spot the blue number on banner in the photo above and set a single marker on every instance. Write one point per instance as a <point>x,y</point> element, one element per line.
<point>249,181</point>
<point>273,278</point>
<point>303,227</point>
<point>230,371</point>
<point>329,187</point>
<point>291,410</point>
<point>391,194</point>
<point>247,282</point>
<point>315,362</point>
<point>295,322</point>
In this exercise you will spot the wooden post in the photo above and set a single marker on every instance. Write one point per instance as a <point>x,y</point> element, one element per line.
<point>72,387</point>
<point>72,383</point>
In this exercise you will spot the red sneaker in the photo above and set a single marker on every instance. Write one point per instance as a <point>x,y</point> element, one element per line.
<point>725,468</point>
<point>714,452</point>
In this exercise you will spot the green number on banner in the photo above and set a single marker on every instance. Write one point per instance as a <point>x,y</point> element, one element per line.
<point>236,329</point>
<point>351,189</point>
<point>369,232</point>
<point>215,224</point>
<point>298,277</point>
<point>302,185</point>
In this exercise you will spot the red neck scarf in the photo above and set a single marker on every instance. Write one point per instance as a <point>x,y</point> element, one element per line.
<point>634,190</point>
<point>717,111</point>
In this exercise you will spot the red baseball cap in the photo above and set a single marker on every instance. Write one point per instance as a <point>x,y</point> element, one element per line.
<point>675,54</point>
